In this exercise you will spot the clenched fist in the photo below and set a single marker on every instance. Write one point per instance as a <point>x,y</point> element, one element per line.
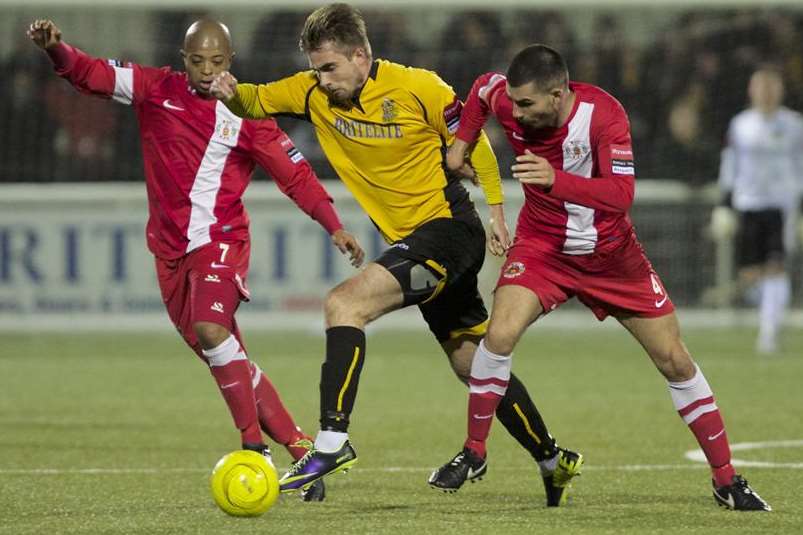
<point>44,33</point>
<point>224,86</point>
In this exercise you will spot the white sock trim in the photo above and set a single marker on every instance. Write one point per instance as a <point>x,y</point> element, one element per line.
<point>229,350</point>
<point>686,393</point>
<point>547,466</point>
<point>775,293</point>
<point>256,374</point>
<point>489,372</point>
<point>330,441</point>
<point>685,385</point>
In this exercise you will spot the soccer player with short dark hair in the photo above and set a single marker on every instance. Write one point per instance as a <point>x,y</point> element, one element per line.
<point>384,127</point>
<point>198,159</point>
<point>574,238</point>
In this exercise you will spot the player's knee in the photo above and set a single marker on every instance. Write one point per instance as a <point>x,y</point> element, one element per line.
<point>675,362</point>
<point>461,354</point>
<point>210,335</point>
<point>340,307</point>
<point>500,339</point>
<point>461,368</point>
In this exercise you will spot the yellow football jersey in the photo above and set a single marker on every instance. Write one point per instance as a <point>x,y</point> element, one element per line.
<point>388,147</point>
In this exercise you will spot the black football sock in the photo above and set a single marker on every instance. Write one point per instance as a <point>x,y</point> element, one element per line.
<point>340,375</point>
<point>518,414</point>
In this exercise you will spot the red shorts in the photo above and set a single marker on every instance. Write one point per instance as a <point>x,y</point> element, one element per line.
<point>619,283</point>
<point>205,285</point>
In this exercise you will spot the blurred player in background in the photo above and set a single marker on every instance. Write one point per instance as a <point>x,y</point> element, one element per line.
<point>384,128</point>
<point>198,159</point>
<point>574,238</point>
<point>761,177</point>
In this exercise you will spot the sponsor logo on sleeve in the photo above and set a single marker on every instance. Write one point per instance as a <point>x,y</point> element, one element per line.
<point>292,152</point>
<point>119,63</point>
<point>451,115</point>
<point>295,155</point>
<point>622,160</point>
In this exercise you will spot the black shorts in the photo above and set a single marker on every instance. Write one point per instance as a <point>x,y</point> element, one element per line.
<point>760,237</point>
<point>437,267</point>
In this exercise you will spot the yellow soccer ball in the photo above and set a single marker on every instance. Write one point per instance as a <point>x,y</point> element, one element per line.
<point>244,483</point>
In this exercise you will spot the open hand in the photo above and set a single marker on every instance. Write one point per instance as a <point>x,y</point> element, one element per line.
<point>499,240</point>
<point>348,244</point>
<point>532,169</point>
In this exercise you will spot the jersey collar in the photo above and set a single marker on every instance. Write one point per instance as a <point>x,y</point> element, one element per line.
<point>355,101</point>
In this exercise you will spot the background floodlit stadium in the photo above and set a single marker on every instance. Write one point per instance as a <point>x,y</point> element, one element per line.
<point>76,395</point>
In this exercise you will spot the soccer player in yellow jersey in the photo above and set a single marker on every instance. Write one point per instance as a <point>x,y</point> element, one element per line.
<point>384,127</point>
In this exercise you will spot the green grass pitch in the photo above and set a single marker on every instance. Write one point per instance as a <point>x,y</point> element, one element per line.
<point>117,433</point>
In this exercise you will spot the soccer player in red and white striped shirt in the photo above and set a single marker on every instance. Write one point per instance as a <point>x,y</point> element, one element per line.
<point>199,158</point>
<point>574,238</point>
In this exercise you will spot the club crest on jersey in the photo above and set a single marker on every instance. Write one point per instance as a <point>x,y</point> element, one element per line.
<point>389,112</point>
<point>575,150</point>
<point>513,270</point>
<point>226,130</point>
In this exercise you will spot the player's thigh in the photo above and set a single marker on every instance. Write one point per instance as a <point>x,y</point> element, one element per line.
<point>460,352</point>
<point>201,295</point>
<point>173,278</point>
<point>531,283</point>
<point>435,258</point>
<point>759,241</point>
<point>515,308</point>
<point>214,302</point>
<point>623,283</point>
<point>660,338</point>
<point>458,319</point>
<point>457,314</point>
<point>364,297</point>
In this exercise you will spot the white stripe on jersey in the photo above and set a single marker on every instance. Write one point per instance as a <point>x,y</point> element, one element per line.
<point>207,180</point>
<point>581,234</point>
<point>123,85</point>
<point>483,92</point>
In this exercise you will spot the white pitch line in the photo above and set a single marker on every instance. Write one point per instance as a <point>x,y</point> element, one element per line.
<point>388,469</point>
<point>699,456</point>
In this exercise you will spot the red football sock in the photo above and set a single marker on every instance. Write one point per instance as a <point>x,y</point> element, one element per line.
<point>481,410</point>
<point>229,366</point>
<point>694,402</point>
<point>274,418</point>
<point>490,374</point>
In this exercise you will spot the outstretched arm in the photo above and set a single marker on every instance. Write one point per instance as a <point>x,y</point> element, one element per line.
<point>126,83</point>
<point>241,99</point>
<point>274,151</point>
<point>287,96</point>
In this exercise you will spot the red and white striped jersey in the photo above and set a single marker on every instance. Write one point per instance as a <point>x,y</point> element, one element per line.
<point>585,211</point>
<point>198,156</point>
